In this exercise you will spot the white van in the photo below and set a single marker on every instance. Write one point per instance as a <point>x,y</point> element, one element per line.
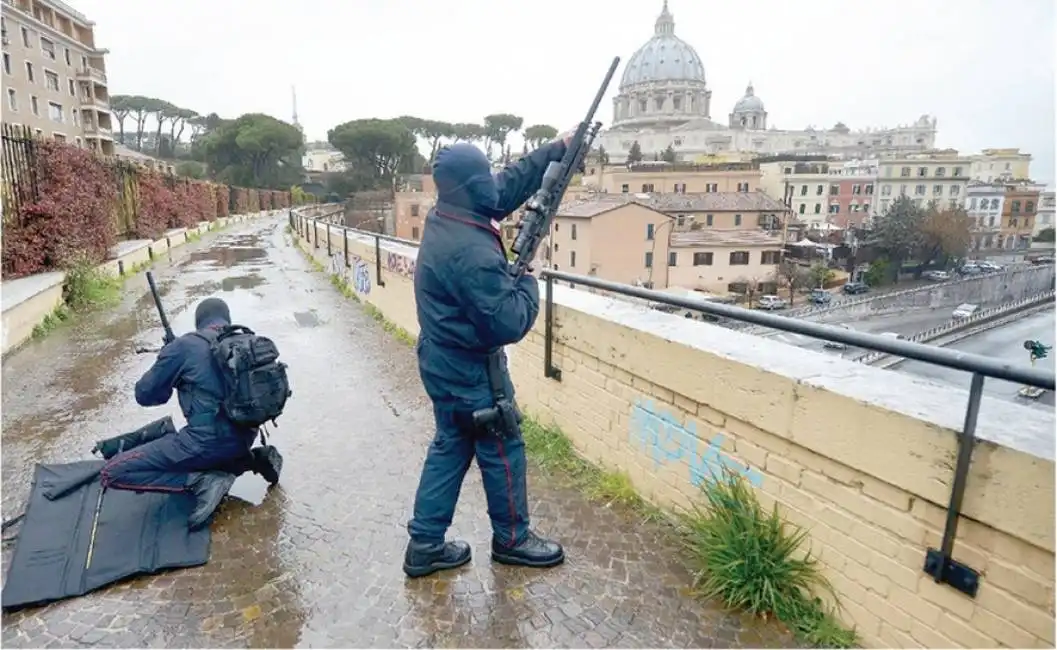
<point>964,310</point>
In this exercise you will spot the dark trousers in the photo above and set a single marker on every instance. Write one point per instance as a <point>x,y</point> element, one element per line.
<point>163,465</point>
<point>502,464</point>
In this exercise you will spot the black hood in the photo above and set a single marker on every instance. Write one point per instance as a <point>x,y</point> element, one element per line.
<point>212,311</point>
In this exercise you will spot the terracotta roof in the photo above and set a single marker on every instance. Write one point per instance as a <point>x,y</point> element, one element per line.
<point>596,205</point>
<point>716,237</point>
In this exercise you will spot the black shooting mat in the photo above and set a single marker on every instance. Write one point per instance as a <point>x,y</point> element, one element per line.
<point>57,556</point>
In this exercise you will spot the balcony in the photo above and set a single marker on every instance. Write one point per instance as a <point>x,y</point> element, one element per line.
<point>95,103</point>
<point>93,130</point>
<point>92,74</point>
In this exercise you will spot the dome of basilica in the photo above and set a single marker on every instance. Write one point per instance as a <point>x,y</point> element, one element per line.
<point>665,57</point>
<point>749,103</point>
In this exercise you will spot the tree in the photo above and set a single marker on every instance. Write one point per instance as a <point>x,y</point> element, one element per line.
<point>820,275</point>
<point>1046,235</point>
<point>749,287</point>
<point>635,153</point>
<point>668,155</point>
<point>374,148</point>
<point>945,234</point>
<point>897,234</point>
<point>163,112</point>
<point>538,134</point>
<point>191,169</point>
<point>254,150</point>
<point>180,120</point>
<point>498,127</point>
<point>120,108</point>
<point>793,275</point>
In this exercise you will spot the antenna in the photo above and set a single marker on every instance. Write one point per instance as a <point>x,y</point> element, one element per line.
<point>293,96</point>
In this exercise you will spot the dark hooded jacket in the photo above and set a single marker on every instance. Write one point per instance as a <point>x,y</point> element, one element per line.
<point>469,305</point>
<point>186,365</point>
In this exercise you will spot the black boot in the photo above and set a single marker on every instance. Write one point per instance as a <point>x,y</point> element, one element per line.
<point>209,489</point>
<point>533,551</point>
<point>268,462</point>
<point>424,559</point>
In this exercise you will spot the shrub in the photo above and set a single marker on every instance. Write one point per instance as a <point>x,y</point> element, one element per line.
<point>194,203</point>
<point>158,209</point>
<point>223,198</point>
<point>87,287</point>
<point>242,200</point>
<point>72,215</point>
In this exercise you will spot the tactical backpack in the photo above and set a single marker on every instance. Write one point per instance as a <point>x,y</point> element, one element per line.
<point>256,387</point>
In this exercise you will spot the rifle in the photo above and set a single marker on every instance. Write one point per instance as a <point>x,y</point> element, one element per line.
<point>169,336</point>
<point>541,208</point>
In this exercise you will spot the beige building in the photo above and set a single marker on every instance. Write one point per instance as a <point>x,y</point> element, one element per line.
<point>410,205</point>
<point>705,242</point>
<point>681,178</point>
<point>1044,218</point>
<point>803,181</point>
<point>55,81</point>
<point>1000,165</point>
<point>938,178</point>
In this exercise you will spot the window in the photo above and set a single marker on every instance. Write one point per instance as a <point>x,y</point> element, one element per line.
<point>414,210</point>
<point>803,207</point>
<point>647,187</point>
<point>957,171</point>
<point>1029,207</point>
<point>55,112</point>
<point>34,106</point>
<point>677,103</point>
<point>886,190</point>
<point>940,172</point>
<point>972,204</point>
<point>904,172</point>
<point>743,187</point>
<point>47,48</point>
<point>856,189</point>
<point>7,63</point>
<point>73,87</point>
<point>819,189</point>
<point>649,231</point>
<point>58,137</point>
<point>649,260</point>
<point>955,190</point>
<point>77,141</point>
<point>414,233</point>
<point>66,55</point>
<point>708,220</point>
<point>624,188</point>
<point>923,172</point>
<point>702,259</point>
<point>29,72</point>
<point>51,80</point>
<point>818,208</point>
<point>937,190</point>
<point>869,189</point>
<point>572,232</point>
<point>12,100</point>
<point>737,220</point>
<point>994,204</point>
<point>673,259</point>
<point>711,187</point>
<point>25,37</point>
<point>834,208</point>
<point>739,258</point>
<point>680,188</point>
<point>642,106</point>
<point>680,220</point>
<point>572,259</point>
<point>1016,206</point>
<point>803,190</point>
<point>834,190</point>
<point>76,116</point>
<point>770,257</point>
<point>902,190</point>
<point>919,190</point>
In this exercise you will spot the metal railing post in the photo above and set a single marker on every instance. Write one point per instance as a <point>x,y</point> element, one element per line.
<point>345,238</point>
<point>550,371</point>
<point>315,232</point>
<point>378,260</point>
<point>940,564</point>
<point>327,223</point>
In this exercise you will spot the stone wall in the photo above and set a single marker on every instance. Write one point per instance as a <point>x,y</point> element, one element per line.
<point>862,457</point>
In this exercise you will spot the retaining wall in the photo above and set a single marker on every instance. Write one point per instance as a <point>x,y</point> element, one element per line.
<point>26,302</point>
<point>861,457</point>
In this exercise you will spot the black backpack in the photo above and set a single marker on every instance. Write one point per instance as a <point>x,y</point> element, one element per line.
<point>255,380</point>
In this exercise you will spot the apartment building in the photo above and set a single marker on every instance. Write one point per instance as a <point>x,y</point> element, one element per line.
<point>416,196</point>
<point>681,178</point>
<point>1044,216</point>
<point>54,76</point>
<point>851,192</point>
<point>803,182</point>
<point>1018,215</point>
<point>1000,165</point>
<point>985,206</point>
<point>939,179</point>
<point>706,242</point>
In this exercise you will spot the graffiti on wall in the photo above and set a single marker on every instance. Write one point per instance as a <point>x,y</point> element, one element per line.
<point>661,435</point>
<point>400,264</point>
<point>357,274</point>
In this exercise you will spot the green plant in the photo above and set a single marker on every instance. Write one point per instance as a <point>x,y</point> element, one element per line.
<point>87,287</point>
<point>750,559</point>
<point>51,322</point>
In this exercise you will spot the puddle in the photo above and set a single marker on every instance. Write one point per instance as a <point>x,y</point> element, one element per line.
<point>307,318</point>
<point>226,255</point>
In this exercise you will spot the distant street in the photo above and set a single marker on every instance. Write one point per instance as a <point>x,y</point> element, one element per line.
<point>903,323</point>
<point>1007,343</point>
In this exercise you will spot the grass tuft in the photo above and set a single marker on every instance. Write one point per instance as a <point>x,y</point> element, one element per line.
<point>87,287</point>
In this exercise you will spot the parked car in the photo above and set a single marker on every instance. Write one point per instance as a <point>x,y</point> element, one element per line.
<point>820,297</point>
<point>991,267</point>
<point>856,287</point>
<point>837,345</point>
<point>771,302</point>
<point>937,276</point>
<point>970,268</point>
<point>893,335</point>
<point>964,310</point>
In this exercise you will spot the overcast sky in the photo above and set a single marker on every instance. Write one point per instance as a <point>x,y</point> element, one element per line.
<point>984,68</point>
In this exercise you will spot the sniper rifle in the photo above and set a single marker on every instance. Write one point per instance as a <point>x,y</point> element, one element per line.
<point>541,208</point>
<point>169,336</point>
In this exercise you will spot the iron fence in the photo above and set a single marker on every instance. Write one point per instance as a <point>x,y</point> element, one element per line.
<point>938,563</point>
<point>19,170</point>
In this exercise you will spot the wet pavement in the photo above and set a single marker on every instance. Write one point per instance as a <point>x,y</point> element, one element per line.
<point>316,561</point>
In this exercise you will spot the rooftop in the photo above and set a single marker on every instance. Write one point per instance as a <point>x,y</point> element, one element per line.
<point>672,202</point>
<point>715,237</point>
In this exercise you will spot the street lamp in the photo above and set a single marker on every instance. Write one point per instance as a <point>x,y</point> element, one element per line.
<point>653,251</point>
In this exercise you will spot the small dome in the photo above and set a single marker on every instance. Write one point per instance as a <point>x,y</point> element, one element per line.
<point>665,57</point>
<point>749,103</point>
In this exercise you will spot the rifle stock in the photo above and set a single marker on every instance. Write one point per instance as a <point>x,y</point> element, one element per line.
<point>543,206</point>
<point>169,336</point>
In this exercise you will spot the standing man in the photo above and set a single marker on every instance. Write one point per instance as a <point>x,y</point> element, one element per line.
<point>469,307</point>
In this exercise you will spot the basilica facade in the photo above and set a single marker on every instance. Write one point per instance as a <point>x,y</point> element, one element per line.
<point>664,100</point>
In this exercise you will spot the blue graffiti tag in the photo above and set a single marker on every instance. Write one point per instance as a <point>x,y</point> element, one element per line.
<point>661,435</point>
<point>361,277</point>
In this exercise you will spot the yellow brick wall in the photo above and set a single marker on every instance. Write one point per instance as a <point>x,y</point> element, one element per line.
<point>870,485</point>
